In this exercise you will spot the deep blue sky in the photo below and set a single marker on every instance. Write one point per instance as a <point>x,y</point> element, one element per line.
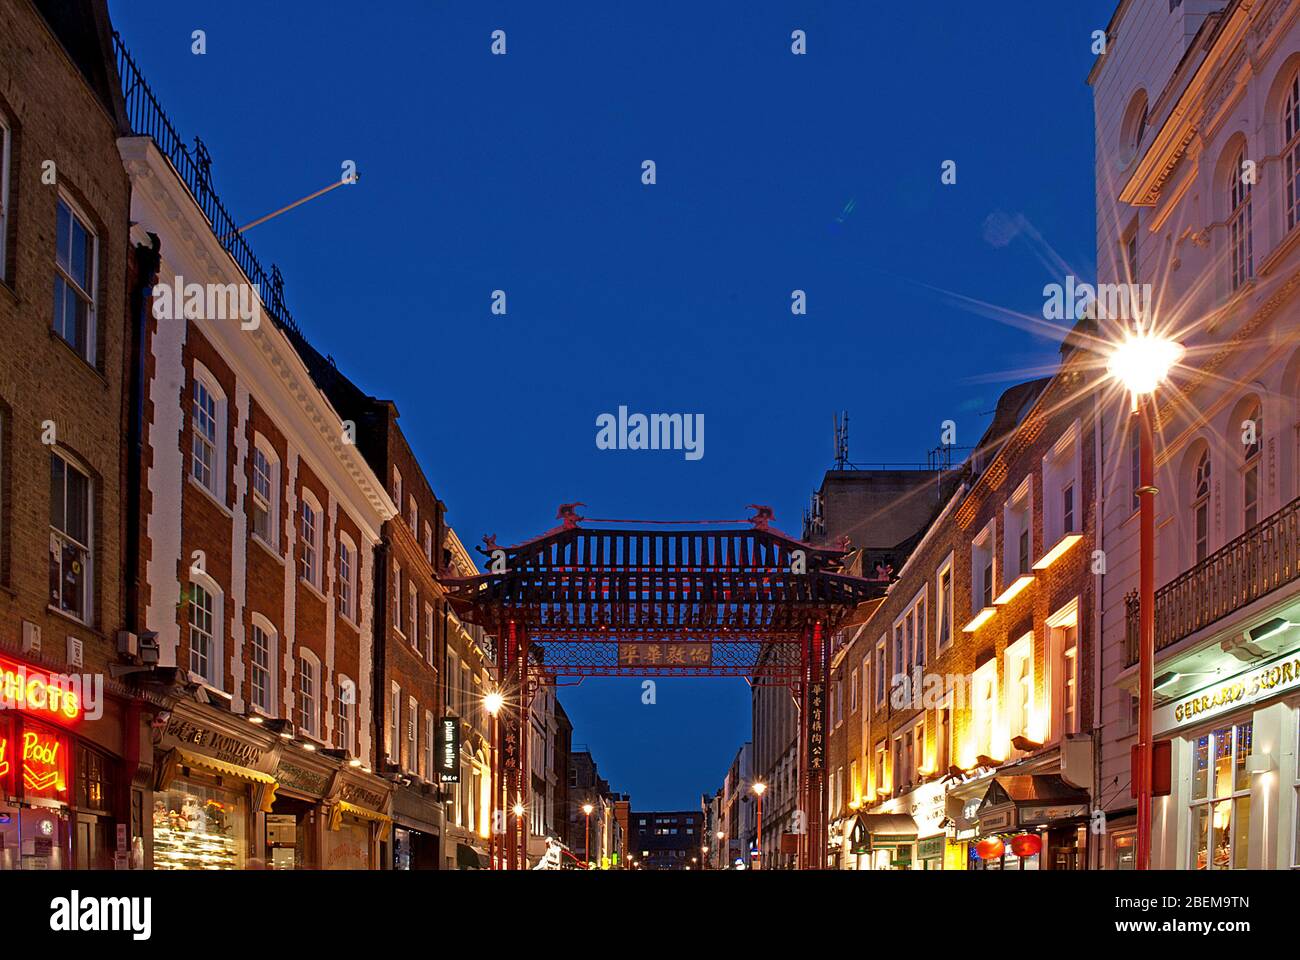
<point>522,173</point>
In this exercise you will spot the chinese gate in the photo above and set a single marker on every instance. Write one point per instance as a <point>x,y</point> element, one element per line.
<point>741,601</point>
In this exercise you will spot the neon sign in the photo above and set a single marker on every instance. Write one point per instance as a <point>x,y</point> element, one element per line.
<point>38,692</point>
<point>42,768</point>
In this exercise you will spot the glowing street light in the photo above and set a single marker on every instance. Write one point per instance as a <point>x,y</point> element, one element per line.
<point>493,703</point>
<point>586,844</point>
<point>760,788</point>
<point>1141,362</point>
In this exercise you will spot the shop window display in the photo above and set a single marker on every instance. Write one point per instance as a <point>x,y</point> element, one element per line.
<point>1220,809</point>
<point>198,826</point>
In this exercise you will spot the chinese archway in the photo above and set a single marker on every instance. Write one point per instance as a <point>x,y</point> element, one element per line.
<point>725,599</point>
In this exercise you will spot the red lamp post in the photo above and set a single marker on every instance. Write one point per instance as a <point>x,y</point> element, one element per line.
<point>759,788</point>
<point>586,844</point>
<point>1141,362</point>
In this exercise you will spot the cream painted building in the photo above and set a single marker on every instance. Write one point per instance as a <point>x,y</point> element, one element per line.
<point>1197,106</point>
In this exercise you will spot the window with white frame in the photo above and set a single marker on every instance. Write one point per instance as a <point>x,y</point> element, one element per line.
<point>207,433</point>
<point>309,679</point>
<point>312,533</point>
<point>396,490</point>
<point>866,685</point>
<point>1019,682</point>
<point>984,705</point>
<point>880,672</point>
<point>262,657</point>
<point>1018,532</point>
<point>206,630</point>
<point>1291,152</point>
<point>1063,669</point>
<point>1220,798</point>
<point>943,735</point>
<point>1239,223</point>
<point>853,691</point>
<point>1252,428</point>
<point>413,613</point>
<point>397,598</point>
<point>943,610</point>
<point>71,546</point>
<point>909,756</point>
<point>983,565</point>
<point>75,280</point>
<point>837,701</point>
<point>412,727</point>
<point>428,633</point>
<point>412,514</point>
<point>395,723</point>
<point>1061,500</point>
<point>428,541</point>
<point>347,577</point>
<point>882,780</point>
<point>344,713</point>
<point>1200,500</point>
<point>266,493</point>
<point>6,149</point>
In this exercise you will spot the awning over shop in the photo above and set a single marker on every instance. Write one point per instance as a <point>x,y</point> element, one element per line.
<point>467,858</point>
<point>361,813</point>
<point>1030,800</point>
<point>882,830</point>
<point>178,757</point>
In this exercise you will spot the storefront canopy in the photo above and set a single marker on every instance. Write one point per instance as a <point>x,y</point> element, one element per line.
<point>467,858</point>
<point>1030,800</point>
<point>178,757</point>
<point>887,827</point>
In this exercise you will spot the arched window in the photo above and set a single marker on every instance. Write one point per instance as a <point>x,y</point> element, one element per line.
<point>263,657</point>
<point>266,492</point>
<point>309,692</point>
<point>1252,441</point>
<point>205,617</point>
<point>1291,151</point>
<point>312,525</point>
<point>1201,506</point>
<point>1134,127</point>
<point>208,433</point>
<point>1239,222</point>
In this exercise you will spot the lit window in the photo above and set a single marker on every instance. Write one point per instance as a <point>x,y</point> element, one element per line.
<point>261,678</point>
<point>343,709</point>
<point>1220,806</point>
<point>264,495</point>
<point>70,543</point>
<point>74,281</point>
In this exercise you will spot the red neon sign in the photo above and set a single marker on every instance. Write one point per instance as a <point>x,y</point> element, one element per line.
<point>44,763</point>
<point>38,692</point>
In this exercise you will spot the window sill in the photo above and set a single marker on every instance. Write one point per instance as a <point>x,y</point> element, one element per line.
<point>208,493</point>
<point>313,588</point>
<point>1284,246</point>
<point>86,365</point>
<point>268,548</point>
<point>72,618</point>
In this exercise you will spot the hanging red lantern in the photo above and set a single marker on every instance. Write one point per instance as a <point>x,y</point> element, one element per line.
<point>1026,844</point>
<point>989,848</point>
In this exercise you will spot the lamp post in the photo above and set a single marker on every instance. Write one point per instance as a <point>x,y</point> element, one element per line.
<point>759,789</point>
<point>586,843</point>
<point>722,850</point>
<point>492,703</point>
<point>1141,362</point>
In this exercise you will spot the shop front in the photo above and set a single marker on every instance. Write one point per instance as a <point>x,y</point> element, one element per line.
<point>63,800</point>
<point>417,828</point>
<point>1234,779</point>
<point>1031,822</point>
<point>903,833</point>
<point>213,787</point>
<point>358,832</point>
<point>296,819</point>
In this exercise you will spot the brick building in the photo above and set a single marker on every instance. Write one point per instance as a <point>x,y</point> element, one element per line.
<point>64,209</point>
<point>969,688</point>
<point>666,840</point>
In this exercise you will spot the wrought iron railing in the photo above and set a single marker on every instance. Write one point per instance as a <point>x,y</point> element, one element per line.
<point>147,118</point>
<point>1265,557</point>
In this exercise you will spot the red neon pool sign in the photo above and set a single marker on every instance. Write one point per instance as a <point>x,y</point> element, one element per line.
<point>38,692</point>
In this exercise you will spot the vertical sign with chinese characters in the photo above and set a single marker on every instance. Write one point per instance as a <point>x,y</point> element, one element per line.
<point>816,727</point>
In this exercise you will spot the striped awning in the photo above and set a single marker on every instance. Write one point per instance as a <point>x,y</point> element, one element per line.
<point>362,813</point>
<point>180,757</point>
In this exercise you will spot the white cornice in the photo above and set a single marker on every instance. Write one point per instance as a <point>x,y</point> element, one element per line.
<point>262,358</point>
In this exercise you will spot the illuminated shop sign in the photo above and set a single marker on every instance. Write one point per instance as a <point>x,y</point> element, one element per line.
<point>449,750</point>
<point>42,757</point>
<point>38,692</point>
<point>1244,688</point>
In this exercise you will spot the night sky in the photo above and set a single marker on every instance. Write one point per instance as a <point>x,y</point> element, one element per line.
<point>775,172</point>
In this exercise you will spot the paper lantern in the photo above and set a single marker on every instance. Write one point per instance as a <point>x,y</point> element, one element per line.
<point>990,848</point>
<point>1026,844</point>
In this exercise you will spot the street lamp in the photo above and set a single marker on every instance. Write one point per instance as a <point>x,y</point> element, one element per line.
<point>1141,362</point>
<point>586,844</point>
<point>492,703</point>
<point>760,788</point>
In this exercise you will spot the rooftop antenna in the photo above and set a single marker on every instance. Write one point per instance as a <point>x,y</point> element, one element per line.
<point>842,440</point>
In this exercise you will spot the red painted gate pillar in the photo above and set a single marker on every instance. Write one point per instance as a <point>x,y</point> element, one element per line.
<point>812,749</point>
